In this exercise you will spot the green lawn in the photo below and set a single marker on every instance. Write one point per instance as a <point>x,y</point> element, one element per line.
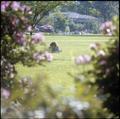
<point>57,71</point>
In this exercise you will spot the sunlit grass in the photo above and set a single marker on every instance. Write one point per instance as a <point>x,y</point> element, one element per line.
<point>57,71</point>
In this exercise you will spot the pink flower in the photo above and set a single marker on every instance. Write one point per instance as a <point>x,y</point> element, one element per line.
<point>16,6</point>
<point>29,28</point>
<point>4,5</point>
<point>79,60</point>
<point>82,59</point>
<point>3,8</point>
<point>30,12</point>
<point>48,56</point>
<point>38,37</point>
<point>12,75</point>
<point>87,58</point>
<point>5,93</point>
<point>107,28</point>
<point>105,25</point>
<point>108,24</point>
<point>94,46</point>
<point>101,53</point>
<point>42,56</point>
<point>38,56</point>
<point>103,62</point>
<point>20,38</point>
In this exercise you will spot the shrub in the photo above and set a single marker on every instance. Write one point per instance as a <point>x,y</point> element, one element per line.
<point>17,47</point>
<point>103,76</point>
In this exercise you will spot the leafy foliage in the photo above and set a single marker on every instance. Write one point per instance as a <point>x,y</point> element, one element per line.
<point>103,77</point>
<point>41,9</point>
<point>107,73</point>
<point>17,47</point>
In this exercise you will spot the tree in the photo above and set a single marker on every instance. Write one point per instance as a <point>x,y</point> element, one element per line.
<point>59,22</point>
<point>94,8</point>
<point>40,9</point>
<point>107,9</point>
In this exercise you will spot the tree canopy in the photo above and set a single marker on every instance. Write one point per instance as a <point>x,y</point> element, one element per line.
<point>41,9</point>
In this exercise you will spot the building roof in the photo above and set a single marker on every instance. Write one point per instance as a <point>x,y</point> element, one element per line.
<point>77,16</point>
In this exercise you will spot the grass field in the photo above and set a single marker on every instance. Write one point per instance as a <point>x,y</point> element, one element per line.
<point>57,71</point>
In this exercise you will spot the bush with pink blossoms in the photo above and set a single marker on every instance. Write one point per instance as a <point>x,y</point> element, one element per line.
<point>103,76</point>
<point>94,46</point>
<point>37,38</point>
<point>82,59</point>
<point>106,70</point>
<point>38,56</point>
<point>17,47</point>
<point>48,56</point>
<point>5,93</point>
<point>108,28</point>
<point>13,25</point>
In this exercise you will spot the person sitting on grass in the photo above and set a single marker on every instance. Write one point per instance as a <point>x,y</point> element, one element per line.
<point>54,47</point>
